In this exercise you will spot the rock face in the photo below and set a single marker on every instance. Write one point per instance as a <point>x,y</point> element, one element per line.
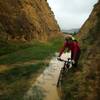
<point>90,41</point>
<point>26,20</point>
<point>92,25</point>
<point>89,34</point>
<point>85,80</point>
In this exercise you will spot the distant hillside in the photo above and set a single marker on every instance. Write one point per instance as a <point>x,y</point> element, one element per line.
<point>71,30</point>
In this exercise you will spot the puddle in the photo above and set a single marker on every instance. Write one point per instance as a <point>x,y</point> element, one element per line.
<point>45,86</point>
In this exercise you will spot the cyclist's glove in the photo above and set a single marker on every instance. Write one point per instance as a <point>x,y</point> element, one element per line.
<point>58,58</point>
<point>73,61</point>
<point>70,66</point>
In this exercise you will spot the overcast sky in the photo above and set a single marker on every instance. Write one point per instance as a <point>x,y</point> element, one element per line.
<point>71,13</point>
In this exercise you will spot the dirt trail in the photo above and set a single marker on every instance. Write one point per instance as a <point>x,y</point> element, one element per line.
<point>45,86</point>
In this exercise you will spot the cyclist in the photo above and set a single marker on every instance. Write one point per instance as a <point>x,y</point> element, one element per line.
<point>72,44</point>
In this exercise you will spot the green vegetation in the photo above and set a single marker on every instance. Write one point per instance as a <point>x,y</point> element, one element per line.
<point>21,63</point>
<point>9,47</point>
<point>70,85</point>
<point>79,82</point>
<point>34,51</point>
<point>16,81</point>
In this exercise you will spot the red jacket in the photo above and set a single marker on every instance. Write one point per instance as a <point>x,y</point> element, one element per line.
<point>73,46</point>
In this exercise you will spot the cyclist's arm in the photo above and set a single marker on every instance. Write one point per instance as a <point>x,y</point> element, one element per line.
<point>63,48</point>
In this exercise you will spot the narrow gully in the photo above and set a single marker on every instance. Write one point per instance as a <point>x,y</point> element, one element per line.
<point>45,86</point>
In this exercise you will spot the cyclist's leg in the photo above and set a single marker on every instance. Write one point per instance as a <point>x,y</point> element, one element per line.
<point>71,58</point>
<point>76,64</point>
<point>77,59</point>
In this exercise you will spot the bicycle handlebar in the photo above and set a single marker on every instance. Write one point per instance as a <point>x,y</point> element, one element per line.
<point>69,60</point>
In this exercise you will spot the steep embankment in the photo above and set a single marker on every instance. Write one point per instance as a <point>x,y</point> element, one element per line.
<point>90,42</point>
<point>21,61</point>
<point>22,64</point>
<point>84,83</point>
<point>26,20</point>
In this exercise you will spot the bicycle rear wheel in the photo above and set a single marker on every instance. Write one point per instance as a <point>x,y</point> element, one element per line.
<point>60,78</point>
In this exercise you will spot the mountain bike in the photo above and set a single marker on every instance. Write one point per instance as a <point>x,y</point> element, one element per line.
<point>67,65</point>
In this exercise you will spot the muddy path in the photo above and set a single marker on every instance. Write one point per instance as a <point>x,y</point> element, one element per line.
<point>45,86</point>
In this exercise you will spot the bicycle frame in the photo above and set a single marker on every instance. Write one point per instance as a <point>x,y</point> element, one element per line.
<point>63,69</point>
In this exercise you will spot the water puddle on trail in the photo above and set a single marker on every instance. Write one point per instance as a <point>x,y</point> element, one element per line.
<point>45,86</point>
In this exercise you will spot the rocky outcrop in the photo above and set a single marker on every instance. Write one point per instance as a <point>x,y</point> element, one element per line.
<point>89,34</point>
<point>26,20</point>
<point>90,59</point>
<point>83,83</point>
<point>91,26</point>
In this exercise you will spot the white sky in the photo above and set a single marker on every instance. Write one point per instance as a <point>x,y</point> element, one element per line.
<point>71,13</point>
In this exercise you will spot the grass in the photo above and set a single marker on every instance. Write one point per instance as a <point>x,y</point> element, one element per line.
<point>9,47</point>
<point>16,81</point>
<point>35,51</point>
<point>69,86</point>
<point>16,78</point>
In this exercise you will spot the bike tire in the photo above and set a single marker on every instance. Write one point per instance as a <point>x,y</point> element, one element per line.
<point>60,78</point>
